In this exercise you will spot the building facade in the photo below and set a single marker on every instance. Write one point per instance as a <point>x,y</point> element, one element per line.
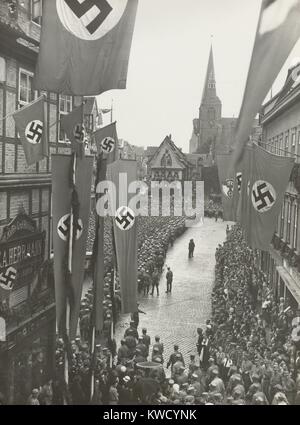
<point>280,121</point>
<point>27,315</point>
<point>169,163</point>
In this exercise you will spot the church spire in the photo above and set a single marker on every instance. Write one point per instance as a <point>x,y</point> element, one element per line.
<point>209,89</point>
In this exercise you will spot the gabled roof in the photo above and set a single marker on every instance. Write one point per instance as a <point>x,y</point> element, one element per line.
<point>179,154</point>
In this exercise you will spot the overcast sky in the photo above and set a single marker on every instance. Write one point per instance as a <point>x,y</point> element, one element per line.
<point>168,63</point>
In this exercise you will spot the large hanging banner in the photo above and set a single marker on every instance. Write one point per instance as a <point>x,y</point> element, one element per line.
<point>62,199</point>
<point>125,233</point>
<point>85,45</point>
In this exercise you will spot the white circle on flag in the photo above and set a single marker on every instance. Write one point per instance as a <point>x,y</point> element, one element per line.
<point>34,132</point>
<point>108,144</point>
<point>63,227</point>
<point>124,218</point>
<point>263,196</point>
<point>90,19</point>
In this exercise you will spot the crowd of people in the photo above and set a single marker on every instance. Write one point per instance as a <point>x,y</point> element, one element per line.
<point>155,235</point>
<point>245,354</point>
<point>213,209</point>
<point>247,348</point>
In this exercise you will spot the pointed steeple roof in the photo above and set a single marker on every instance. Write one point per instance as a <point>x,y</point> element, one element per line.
<point>209,89</point>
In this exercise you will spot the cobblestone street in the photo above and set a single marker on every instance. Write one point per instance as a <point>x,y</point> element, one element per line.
<point>176,316</point>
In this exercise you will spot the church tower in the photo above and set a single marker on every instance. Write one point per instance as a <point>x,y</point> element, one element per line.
<point>210,112</point>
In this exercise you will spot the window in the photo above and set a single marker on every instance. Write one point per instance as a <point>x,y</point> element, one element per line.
<point>277,146</point>
<point>26,93</point>
<point>282,220</point>
<point>281,145</point>
<point>65,106</point>
<point>65,103</point>
<point>288,226</point>
<point>295,230</point>
<point>286,148</point>
<point>294,138</point>
<point>36,11</point>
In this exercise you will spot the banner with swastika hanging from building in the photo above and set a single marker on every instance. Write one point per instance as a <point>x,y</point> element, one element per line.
<point>265,179</point>
<point>125,231</point>
<point>62,196</point>
<point>72,124</point>
<point>31,124</point>
<point>85,45</point>
<point>106,140</point>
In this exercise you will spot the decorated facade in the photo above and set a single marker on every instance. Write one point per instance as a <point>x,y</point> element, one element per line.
<point>281,136</point>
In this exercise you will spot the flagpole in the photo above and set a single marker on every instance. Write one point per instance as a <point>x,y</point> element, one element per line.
<point>70,256</point>
<point>93,362</point>
<point>100,163</point>
<point>114,280</point>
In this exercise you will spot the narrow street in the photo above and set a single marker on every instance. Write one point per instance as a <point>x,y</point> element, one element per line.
<point>175,317</point>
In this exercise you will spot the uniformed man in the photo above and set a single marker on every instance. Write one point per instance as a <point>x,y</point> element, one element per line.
<point>177,366</point>
<point>142,347</point>
<point>155,281</point>
<point>193,366</point>
<point>158,373</point>
<point>169,278</point>
<point>147,281</point>
<point>123,351</point>
<point>130,342</point>
<point>191,248</point>
<point>159,345</point>
<point>146,339</point>
<point>132,331</point>
<point>138,357</point>
<point>135,316</point>
<point>160,262</point>
<point>173,357</point>
<point>156,355</point>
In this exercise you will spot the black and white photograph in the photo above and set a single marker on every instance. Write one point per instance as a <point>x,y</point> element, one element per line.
<point>149,206</point>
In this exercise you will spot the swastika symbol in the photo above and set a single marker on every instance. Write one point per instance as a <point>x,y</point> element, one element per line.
<point>82,8</point>
<point>34,132</point>
<point>239,181</point>
<point>263,196</point>
<point>79,133</point>
<point>7,278</point>
<point>63,227</point>
<point>125,218</point>
<point>108,144</point>
<point>90,19</point>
